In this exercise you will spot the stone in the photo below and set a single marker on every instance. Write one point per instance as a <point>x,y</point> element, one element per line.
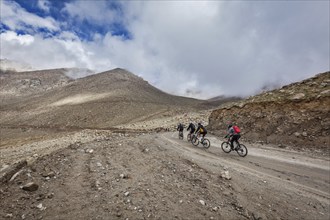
<point>49,174</point>
<point>126,193</point>
<point>123,176</point>
<point>30,187</point>
<point>8,172</point>
<point>298,96</point>
<point>325,92</point>
<point>202,202</point>
<point>41,207</point>
<point>225,175</point>
<point>9,215</point>
<point>258,216</point>
<point>15,175</point>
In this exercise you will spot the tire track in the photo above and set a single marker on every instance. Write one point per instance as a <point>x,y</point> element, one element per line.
<point>208,157</point>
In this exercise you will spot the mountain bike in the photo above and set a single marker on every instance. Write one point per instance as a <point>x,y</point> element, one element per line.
<point>238,147</point>
<point>195,141</point>
<point>189,136</point>
<point>180,134</point>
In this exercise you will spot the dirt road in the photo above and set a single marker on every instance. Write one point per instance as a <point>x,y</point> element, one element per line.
<point>293,169</point>
<point>288,177</point>
<point>102,175</point>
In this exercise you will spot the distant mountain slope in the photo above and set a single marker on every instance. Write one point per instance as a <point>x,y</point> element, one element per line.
<point>296,115</point>
<point>101,100</point>
<point>14,84</point>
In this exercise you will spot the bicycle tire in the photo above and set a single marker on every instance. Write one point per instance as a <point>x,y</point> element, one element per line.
<point>242,150</point>
<point>206,143</point>
<point>189,137</point>
<point>195,141</point>
<point>225,146</point>
<point>180,135</point>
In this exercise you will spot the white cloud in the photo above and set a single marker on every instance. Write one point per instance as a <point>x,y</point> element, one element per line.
<point>197,48</point>
<point>13,38</point>
<point>44,53</point>
<point>239,47</point>
<point>44,5</point>
<point>17,18</point>
<point>91,11</point>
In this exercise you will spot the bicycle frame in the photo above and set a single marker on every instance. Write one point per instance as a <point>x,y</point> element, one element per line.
<point>229,141</point>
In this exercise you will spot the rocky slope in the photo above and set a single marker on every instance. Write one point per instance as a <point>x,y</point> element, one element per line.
<point>22,84</point>
<point>77,173</point>
<point>52,99</point>
<point>295,115</point>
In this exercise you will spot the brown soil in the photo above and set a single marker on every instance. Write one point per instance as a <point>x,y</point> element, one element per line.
<point>92,148</point>
<point>296,115</point>
<point>97,174</point>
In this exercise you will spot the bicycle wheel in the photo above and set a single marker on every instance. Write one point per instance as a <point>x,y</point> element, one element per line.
<point>195,141</point>
<point>242,150</point>
<point>188,137</point>
<point>206,143</point>
<point>226,147</point>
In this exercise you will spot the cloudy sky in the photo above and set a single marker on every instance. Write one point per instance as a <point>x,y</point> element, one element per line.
<point>196,48</point>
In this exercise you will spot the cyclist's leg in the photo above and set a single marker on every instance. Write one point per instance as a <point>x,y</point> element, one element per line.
<point>235,138</point>
<point>203,136</point>
<point>232,142</point>
<point>197,135</point>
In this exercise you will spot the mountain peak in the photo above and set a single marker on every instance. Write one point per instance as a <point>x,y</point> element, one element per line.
<point>119,74</point>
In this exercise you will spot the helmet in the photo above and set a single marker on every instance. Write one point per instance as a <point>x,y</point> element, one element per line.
<point>199,123</point>
<point>230,125</point>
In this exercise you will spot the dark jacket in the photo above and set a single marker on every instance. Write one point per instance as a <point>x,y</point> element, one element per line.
<point>192,127</point>
<point>201,129</point>
<point>180,127</point>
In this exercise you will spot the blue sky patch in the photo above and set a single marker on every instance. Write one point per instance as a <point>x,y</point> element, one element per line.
<point>84,29</point>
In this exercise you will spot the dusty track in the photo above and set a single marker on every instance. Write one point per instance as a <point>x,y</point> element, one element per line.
<point>295,172</point>
<point>166,178</point>
<point>292,168</point>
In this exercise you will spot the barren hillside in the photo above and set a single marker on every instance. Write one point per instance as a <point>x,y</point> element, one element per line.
<point>295,115</point>
<point>17,85</point>
<point>66,171</point>
<point>51,99</point>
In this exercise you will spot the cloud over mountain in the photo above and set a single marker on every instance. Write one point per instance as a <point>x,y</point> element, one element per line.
<point>206,48</point>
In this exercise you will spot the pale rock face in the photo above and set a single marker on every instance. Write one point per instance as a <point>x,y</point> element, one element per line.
<point>298,96</point>
<point>293,115</point>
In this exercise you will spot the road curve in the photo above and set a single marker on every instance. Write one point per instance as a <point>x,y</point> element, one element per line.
<point>295,169</point>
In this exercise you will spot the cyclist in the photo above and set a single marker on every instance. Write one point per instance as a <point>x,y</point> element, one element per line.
<point>180,128</point>
<point>191,127</point>
<point>201,130</point>
<point>234,134</point>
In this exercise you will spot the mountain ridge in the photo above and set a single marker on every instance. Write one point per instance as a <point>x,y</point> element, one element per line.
<point>101,100</point>
<point>294,115</point>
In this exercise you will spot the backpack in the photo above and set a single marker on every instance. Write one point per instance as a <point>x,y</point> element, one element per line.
<point>236,129</point>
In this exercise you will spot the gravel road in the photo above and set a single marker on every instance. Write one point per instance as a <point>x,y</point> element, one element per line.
<point>105,175</point>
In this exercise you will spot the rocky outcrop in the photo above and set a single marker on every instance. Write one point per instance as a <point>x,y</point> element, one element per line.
<point>8,172</point>
<point>296,115</point>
